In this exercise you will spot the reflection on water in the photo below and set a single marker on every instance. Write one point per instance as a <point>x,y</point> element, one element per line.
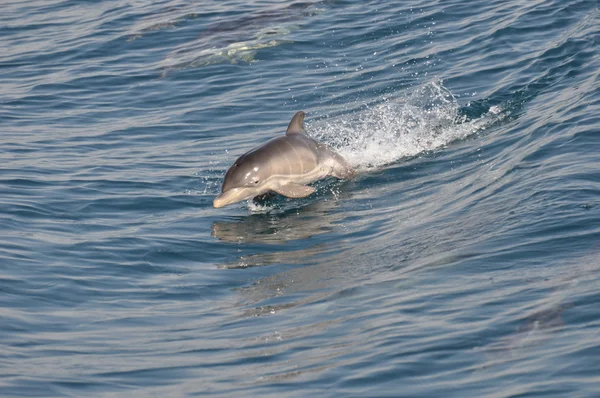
<point>293,224</point>
<point>294,287</point>
<point>292,227</point>
<point>242,51</point>
<point>235,40</point>
<point>534,328</point>
<point>294,237</point>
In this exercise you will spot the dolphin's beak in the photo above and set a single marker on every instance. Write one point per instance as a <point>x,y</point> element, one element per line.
<point>231,196</point>
<point>220,201</point>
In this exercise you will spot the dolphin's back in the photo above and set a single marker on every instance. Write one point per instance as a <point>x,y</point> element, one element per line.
<point>288,155</point>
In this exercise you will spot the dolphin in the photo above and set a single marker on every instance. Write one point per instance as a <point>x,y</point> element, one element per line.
<point>283,165</point>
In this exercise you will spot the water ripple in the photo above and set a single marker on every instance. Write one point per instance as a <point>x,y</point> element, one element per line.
<point>462,261</point>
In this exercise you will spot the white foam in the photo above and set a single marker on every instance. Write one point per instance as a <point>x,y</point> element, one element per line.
<point>425,120</point>
<point>258,208</point>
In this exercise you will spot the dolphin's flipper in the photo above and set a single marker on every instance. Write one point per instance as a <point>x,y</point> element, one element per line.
<point>293,190</point>
<point>297,124</point>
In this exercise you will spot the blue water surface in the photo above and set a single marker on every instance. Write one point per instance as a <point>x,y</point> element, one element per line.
<point>462,261</point>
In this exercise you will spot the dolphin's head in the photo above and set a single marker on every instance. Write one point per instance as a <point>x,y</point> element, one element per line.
<point>244,180</point>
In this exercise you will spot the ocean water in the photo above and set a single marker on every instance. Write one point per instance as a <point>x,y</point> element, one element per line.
<point>462,261</point>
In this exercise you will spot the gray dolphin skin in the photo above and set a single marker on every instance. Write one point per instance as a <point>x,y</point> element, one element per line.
<point>282,165</point>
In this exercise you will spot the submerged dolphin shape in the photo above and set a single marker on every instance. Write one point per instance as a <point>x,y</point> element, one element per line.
<point>283,165</point>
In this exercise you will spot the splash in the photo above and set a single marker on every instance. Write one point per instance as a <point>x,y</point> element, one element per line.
<point>427,119</point>
<point>259,208</point>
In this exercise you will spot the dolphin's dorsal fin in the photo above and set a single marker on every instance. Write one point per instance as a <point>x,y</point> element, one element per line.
<point>297,124</point>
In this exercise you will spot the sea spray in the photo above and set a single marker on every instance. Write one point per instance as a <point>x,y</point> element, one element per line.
<point>426,119</point>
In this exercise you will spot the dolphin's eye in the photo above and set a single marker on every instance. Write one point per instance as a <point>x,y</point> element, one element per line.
<point>256,182</point>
